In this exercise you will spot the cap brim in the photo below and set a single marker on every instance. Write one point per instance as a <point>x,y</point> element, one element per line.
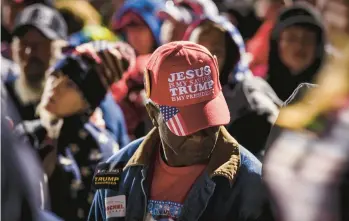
<point>300,20</point>
<point>193,118</point>
<point>50,34</point>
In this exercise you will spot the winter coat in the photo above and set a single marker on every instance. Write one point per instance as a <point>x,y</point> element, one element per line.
<point>79,148</point>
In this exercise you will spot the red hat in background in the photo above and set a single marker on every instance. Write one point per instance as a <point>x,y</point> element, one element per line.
<point>183,79</point>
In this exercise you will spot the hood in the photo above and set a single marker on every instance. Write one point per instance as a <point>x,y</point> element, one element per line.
<point>279,76</point>
<point>145,9</point>
<point>235,67</point>
<point>188,10</point>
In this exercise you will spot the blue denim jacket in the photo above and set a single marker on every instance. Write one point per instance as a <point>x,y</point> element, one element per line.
<point>229,189</point>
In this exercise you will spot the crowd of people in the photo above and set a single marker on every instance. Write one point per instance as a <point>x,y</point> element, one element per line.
<point>175,110</point>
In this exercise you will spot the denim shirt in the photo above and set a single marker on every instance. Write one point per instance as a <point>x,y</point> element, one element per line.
<point>230,188</point>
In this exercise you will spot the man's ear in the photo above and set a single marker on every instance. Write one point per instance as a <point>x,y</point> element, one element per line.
<point>153,112</point>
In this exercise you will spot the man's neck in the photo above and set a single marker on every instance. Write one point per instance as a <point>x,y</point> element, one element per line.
<point>174,159</point>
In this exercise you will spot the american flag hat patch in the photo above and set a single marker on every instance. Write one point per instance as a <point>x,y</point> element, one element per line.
<point>173,120</point>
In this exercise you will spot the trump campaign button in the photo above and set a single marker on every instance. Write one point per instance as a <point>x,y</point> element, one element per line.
<point>115,206</point>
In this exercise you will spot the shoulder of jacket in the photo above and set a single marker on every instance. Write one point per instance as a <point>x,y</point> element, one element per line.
<point>124,155</point>
<point>250,162</point>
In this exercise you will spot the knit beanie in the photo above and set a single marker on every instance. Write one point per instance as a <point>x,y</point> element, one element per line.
<point>94,67</point>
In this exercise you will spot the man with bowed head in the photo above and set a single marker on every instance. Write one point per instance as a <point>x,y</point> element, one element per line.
<point>187,167</point>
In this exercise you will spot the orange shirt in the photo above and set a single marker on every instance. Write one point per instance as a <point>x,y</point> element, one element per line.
<point>170,186</point>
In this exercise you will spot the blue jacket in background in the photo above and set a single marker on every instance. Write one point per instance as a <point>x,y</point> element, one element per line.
<point>114,120</point>
<point>229,189</point>
<point>147,10</point>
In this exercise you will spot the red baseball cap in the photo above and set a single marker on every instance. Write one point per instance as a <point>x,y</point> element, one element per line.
<point>183,79</point>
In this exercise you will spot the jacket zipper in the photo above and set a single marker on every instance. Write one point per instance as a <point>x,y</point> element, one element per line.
<point>145,196</point>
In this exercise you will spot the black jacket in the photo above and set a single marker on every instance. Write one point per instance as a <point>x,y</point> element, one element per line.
<point>279,76</point>
<point>80,147</point>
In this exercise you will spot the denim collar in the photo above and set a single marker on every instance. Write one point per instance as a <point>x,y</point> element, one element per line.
<point>224,161</point>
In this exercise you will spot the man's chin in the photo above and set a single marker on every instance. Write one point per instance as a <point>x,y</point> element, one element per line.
<point>35,80</point>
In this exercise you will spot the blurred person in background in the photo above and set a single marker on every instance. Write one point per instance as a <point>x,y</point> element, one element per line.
<point>252,103</point>
<point>129,93</point>
<point>39,35</point>
<point>9,69</point>
<point>92,33</point>
<point>138,23</point>
<point>9,11</point>
<point>78,14</point>
<point>11,8</point>
<point>109,114</point>
<point>258,45</point>
<point>68,143</point>
<point>297,48</point>
<point>24,190</point>
<point>292,85</point>
<point>225,42</point>
<point>24,194</point>
<point>242,14</point>
<point>179,14</point>
<point>107,9</point>
<point>317,124</point>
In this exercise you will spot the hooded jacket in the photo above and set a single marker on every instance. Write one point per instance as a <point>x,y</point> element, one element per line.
<point>279,76</point>
<point>253,105</point>
<point>146,9</point>
<point>235,66</point>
